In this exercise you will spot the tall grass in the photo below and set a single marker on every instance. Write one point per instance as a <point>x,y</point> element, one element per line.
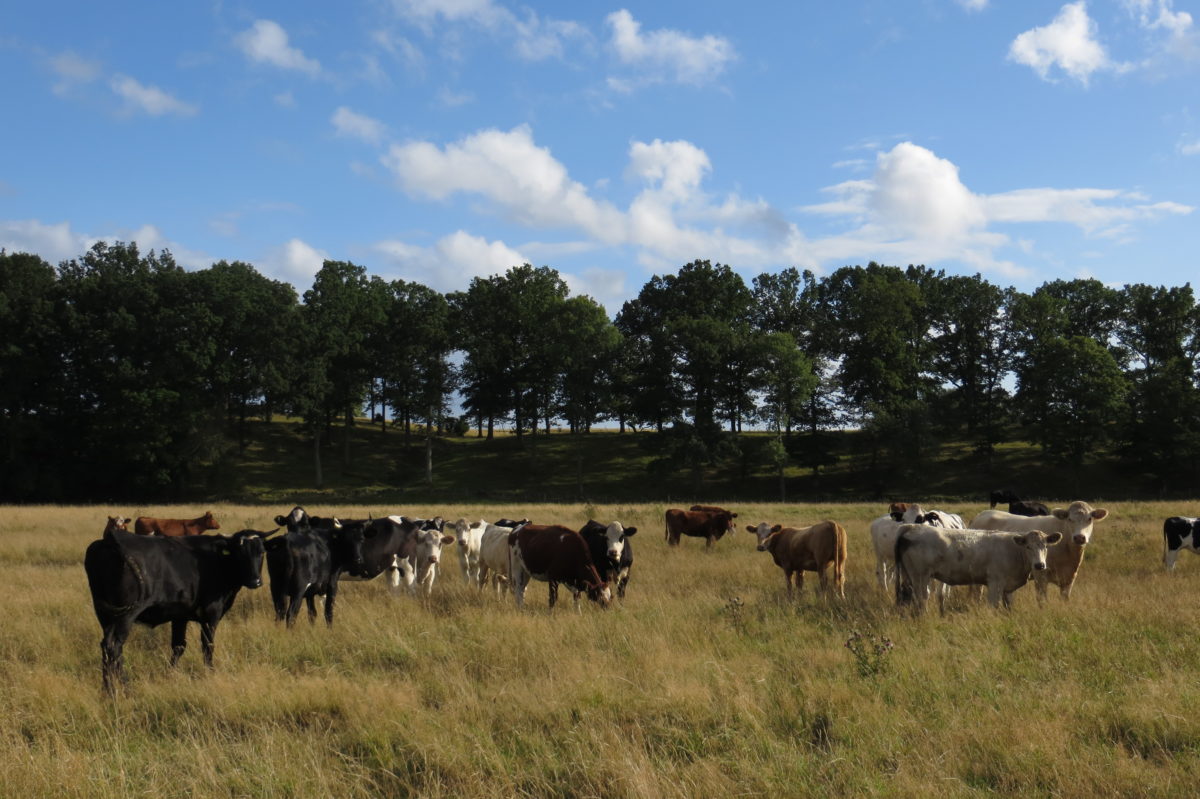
<point>705,682</point>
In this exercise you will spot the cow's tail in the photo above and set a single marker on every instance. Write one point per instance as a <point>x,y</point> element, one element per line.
<point>904,588</point>
<point>839,559</point>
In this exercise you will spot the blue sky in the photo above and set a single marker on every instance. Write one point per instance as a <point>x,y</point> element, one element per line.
<point>436,140</point>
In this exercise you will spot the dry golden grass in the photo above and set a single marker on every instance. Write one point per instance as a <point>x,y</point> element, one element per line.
<point>706,682</point>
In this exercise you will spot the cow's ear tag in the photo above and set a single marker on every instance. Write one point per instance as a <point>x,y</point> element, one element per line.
<point>226,551</point>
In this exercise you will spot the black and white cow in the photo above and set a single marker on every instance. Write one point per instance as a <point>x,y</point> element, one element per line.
<point>1180,533</point>
<point>152,580</point>
<point>611,551</point>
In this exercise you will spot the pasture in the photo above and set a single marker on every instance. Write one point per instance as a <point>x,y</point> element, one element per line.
<point>705,682</point>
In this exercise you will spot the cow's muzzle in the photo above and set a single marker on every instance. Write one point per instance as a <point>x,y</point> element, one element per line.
<point>1081,539</point>
<point>1039,567</point>
<point>762,547</point>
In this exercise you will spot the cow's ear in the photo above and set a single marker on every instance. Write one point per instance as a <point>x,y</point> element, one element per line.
<point>1099,513</point>
<point>751,528</point>
<point>1020,539</point>
<point>777,528</point>
<point>733,515</point>
<point>225,550</point>
<point>630,531</point>
<point>281,521</point>
<point>1060,513</point>
<point>447,539</point>
<point>1053,538</point>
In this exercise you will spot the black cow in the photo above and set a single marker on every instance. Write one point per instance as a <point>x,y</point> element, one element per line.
<point>298,519</point>
<point>307,562</point>
<point>152,580</point>
<point>1020,507</point>
<point>1179,533</point>
<point>611,551</point>
<point>1003,495</point>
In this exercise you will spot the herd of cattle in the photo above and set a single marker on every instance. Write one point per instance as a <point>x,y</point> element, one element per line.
<point>167,570</point>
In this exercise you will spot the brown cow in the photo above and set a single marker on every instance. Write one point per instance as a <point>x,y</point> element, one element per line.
<point>554,554</point>
<point>148,525</point>
<point>710,509</point>
<point>708,525</point>
<point>814,549</point>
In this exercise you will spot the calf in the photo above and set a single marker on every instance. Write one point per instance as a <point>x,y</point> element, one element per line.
<point>1179,533</point>
<point>154,580</point>
<point>611,551</point>
<point>797,550</point>
<point>709,525</point>
<point>148,525</point>
<point>421,568</point>
<point>554,554</point>
<point>308,562</point>
<point>1074,525</point>
<point>494,553</point>
<point>967,557</point>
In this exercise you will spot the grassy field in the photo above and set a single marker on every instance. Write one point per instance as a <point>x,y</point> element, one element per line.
<point>706,682</point>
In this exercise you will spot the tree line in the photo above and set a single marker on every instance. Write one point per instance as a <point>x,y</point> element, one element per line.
<point>121,373</point>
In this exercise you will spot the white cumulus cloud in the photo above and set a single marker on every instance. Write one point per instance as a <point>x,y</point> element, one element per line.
<point>148,99</point>
<point>266,42</point>
<point>357,126</point>
<point>668,54</point>
<point>1069,42</point>
<point>450,263</point>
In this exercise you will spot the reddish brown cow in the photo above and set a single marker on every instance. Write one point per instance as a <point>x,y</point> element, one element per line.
<point>710,509</point>
<point>554,554</point>
<point>708,525</point>
<point>814,549</point>
<point>148,525</point>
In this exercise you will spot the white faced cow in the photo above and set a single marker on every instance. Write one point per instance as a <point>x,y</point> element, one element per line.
<point>469,535</point>
<point>1074,525</point>
<point>423,565</point>
<point>493,554</point>
<point>966,557</point>
<point>1179,533</point>
<point>816,548</point>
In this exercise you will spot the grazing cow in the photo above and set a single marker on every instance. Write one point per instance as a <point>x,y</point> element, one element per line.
<point>814,549</point>
<point>554,554</point>
<point>148,525</point>
<point>1019,507</point>
<point>468,535</point>
<point>308,562</point>
<point>709,525</point>
<point>494,553</point>
<point>967,557</point>
<point>1003,495</point>
<point>1179,533</point>
<point>154,580</point>
<point>611,551</point>
<point>1074,524</point>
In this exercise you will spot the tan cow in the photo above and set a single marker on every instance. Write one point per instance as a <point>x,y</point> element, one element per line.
<point>814,549</point>
<point>1065,557</point>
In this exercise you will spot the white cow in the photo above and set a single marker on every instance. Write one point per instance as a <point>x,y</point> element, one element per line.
<point>419,570</point>
<point>966,557</point>
<point>493,557</point>
<point>1074,524</point>
<point>469,535</point>
<point>883,538</point>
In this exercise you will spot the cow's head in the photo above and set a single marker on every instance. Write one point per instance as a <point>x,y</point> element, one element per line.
<point>912,514</point>
<point>600,593</point>
<point>245,550</point>
<point>614,539</point>
<point>1080,515</point>
<point>429,548</point>
<point>1035,544</point>
<point>209,521</point>
<point>347,540</point>
<point>296,518</point>
<point>116,523</point>
<point>763,532</point>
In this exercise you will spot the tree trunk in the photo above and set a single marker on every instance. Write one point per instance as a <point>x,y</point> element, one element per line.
<point>317,457</point>
<point>429,449</point>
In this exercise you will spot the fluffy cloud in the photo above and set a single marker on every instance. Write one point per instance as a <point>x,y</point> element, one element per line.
<point>295,261</point>
<point>148,99</point>
<point>668,54</point>
<point>72,71</point>
<point>356,126</point>
<point>520,179</point>
<point>266,42</point>
<point>1069,42</point>
<point>59,242</point>
<point>532,37</point>
<point>449,264</point>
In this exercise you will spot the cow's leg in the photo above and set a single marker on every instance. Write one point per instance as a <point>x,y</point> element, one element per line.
<point>311,601</point>
<point>1065,590</point>
<point>1039,583</point>
<point>622,581</point>
<point>553,593</point>
<point>208,632</point>
<point>178,639</point>
<point>329,600</point>
<point>708,542</point>
<point>823,579</point>
<point>112,651</point>
<point>995,593</point>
